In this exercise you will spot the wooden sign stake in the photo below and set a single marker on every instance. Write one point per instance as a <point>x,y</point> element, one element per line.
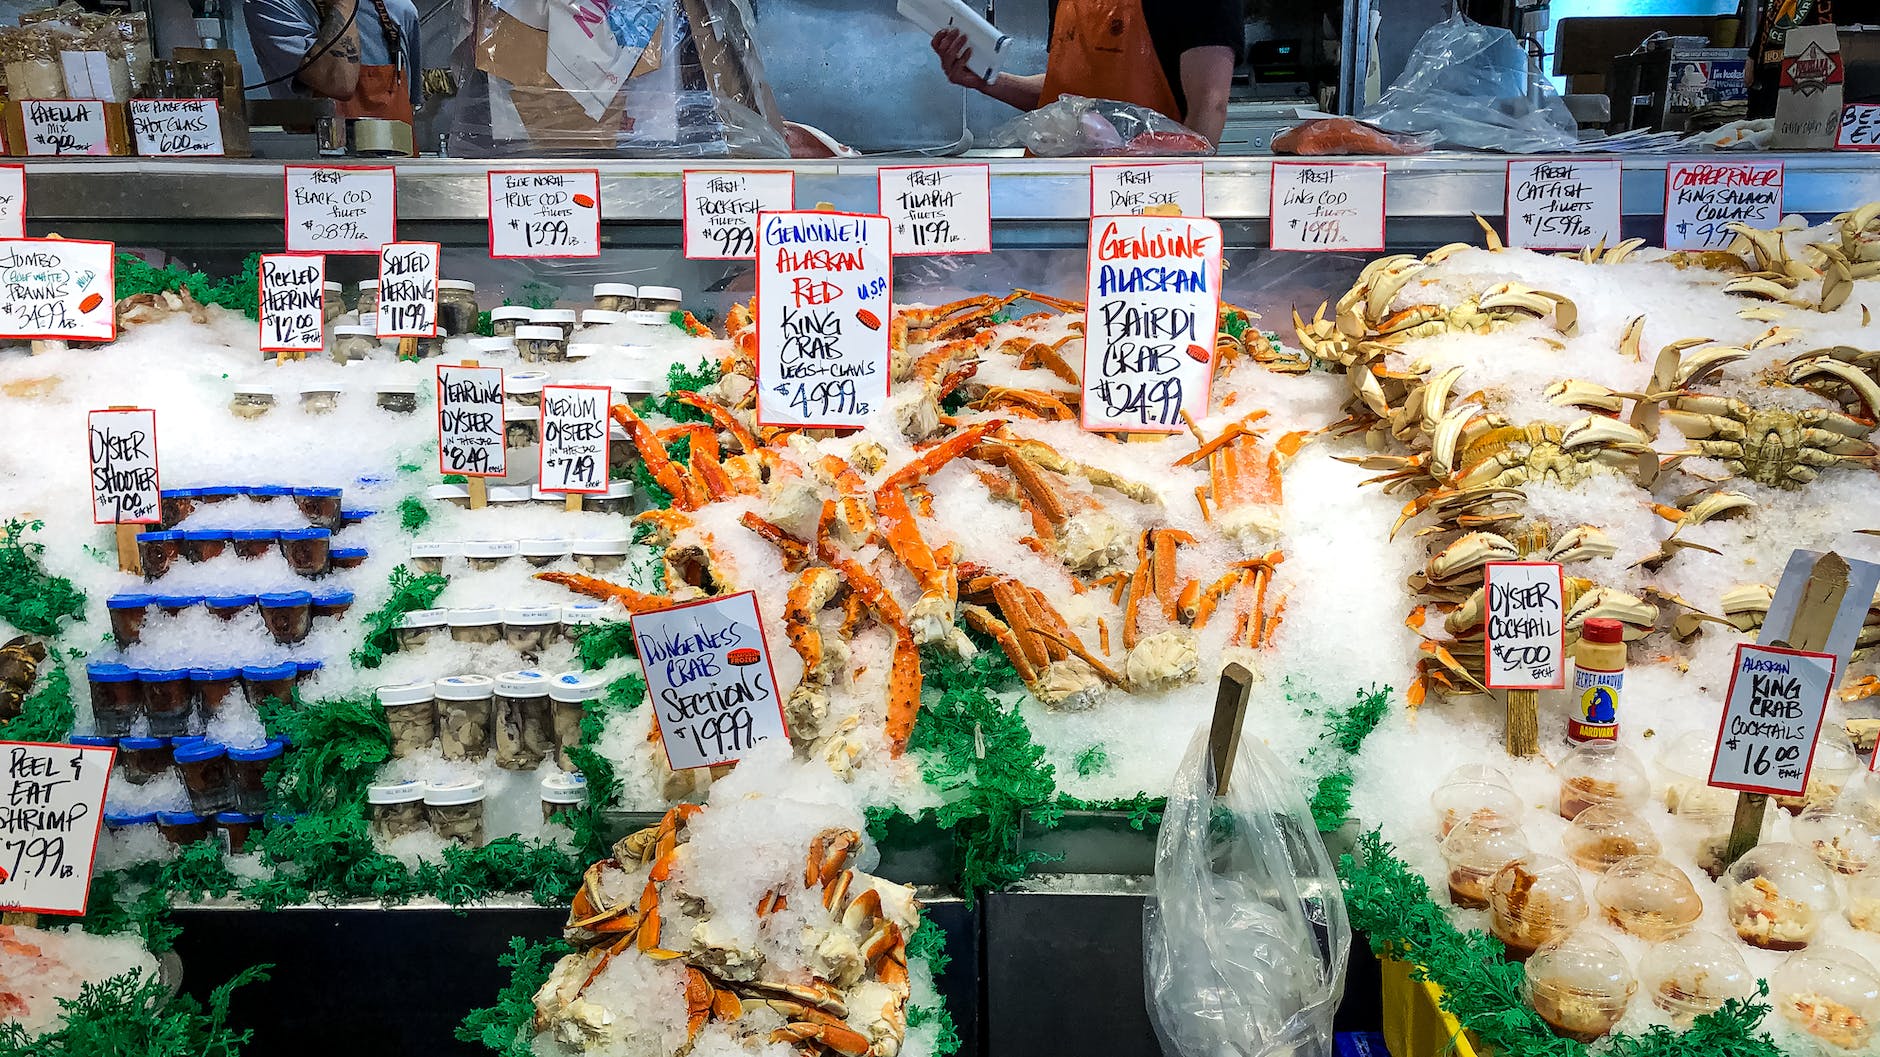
<point>1523,737</point>
<point>479,490</point>
<point>573,501</point>
<point>128,559</point>
<point>1230,710</point>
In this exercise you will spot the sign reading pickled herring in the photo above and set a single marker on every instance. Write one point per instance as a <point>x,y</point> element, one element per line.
<point>293,302</point>
<point>470,421</point>
<point>1154,302</point>
<point>58,288</point>
<point>823,309</point>
<point>709,676</point>
<point>49,824</point>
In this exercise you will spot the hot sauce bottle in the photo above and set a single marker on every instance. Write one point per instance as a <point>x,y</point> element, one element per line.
<point>1598,681</point>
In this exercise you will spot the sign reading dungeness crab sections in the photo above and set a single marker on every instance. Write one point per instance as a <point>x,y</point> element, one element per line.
<point>823,309</point>
<point>49,825</point>
<point>1154,305</point>
<point>709,677</point>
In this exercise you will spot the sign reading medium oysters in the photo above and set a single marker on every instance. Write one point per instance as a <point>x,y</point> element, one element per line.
<point>58,288</point>
<point>1525,633</point>
<point>823,308</point>
<point>709,676</point>
<point>49,827</point>
<point>1154,305</point>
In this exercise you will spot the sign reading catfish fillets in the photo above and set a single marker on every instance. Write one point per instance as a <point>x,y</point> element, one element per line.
<point>937,209</point>
<point>1131,190</point>
<point>58,127</point>
<point>574,430</point>
<point>49,824</point>
<point>470,421</point>
<point>1337,206</point>
<point>408,289</point>
<point>1703,198</point>
<point>709,676</point>
<point>545,213</point>
<point>1154,302</point>
<point>823,309</point>
<point>58,288</point>
<point>339,209</point>
<point>1526,626</point>
<point>1773,711</point>
<point>293,302</point>
<point>721,207</point>
<point>1563,203</point>
<point>177,128</point>
<point>123,467</point>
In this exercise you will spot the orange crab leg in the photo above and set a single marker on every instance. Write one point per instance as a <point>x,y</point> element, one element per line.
<point>594,587</point>
<point>721,417</point>
<point>940,454</point>
<point>1228,435</point>
<point>1059,303</point>
<point>795,551</point>
<point>666,472</point>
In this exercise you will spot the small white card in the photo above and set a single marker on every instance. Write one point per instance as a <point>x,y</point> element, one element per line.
<point>545,213</point>
<point>177,128</point>
<point>937,209</point>
<point>709,676</point>
<point>58,288</point>
<point>58,127</point>
<point>1860,127</point>
<point>293,302</point>
<point>1153,308</point>
<point>1526,626</point>
<point>574,432</point>
<point>1563,203</point>
<point>341,209</point>
<point>49,832</point>
<point>124,485</point>
<point>1774,710</point>
<point>12,201</point>
<point>1128,190</point>
<point>721,207</point>
<point>408,289</point>
<point>1332,207</point>
<point>824,286</point>
<point>470,421</point>
<point>1703,198</point>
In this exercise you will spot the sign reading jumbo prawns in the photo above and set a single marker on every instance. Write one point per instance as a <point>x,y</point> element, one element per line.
<point>824,302</point>
<point>1154,306</point>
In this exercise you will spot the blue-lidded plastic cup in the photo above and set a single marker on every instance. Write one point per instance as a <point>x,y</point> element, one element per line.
<point>143,759</point>
<point>212,687</point>
<point>254,543</point>
<point>216,493</point>
<point>331,604</point>
<point>175,604</point>
<point>167,700</point>
<point>128,611</point>
<point>248,772</point>
<point>263,493</point>
<point>346,557</point>
<point>270,680</point>
<point>182,828</point>
<point>288,615</point>
<point>206,777</point>
<point>119,821</point>
<point>233,828</point>
<point>117,698</point>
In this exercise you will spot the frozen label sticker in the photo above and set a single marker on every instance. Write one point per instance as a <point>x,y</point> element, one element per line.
<point>1526,626</point>
<point>293,302</point>
<point>470,421</point>
<point>58,288</point>
<point>823,309</point>
<point>574,429</point>
<point>124,467</point>
<point>709,676</point>
<point>1703,198</point>
<point>1153,306</point>
<point>59,127</point>
<point>49,830</point>
<point>721,208</point>
<point>1337,206</point>
<point>1776,702</point>
<point>1563,203</point>
<point>337,209</point>
<point>408,289</point>
<point>1132,190</point>
<point>177,128</point>
<point>541,213</point>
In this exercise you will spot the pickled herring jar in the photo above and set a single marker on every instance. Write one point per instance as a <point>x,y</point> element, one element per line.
<point>465,705</point>
<point>524,720</point>
<point>396,810</point>
<point>505,319</point>
<point>251,400</point>
<point>457,307</point>
<point>204,766</point>
<point>456,811</point>
<point>1580,985</point>
<point>411,714</point>
<point>570,692</point>
<point>661,299</point>
<point>563,794</point>
<point>599,557</point>
<point>308,551</point>
<point>539,343</point>
<point>117,698</point>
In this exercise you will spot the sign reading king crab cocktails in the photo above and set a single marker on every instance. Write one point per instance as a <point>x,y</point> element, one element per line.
<point>1154,310</point>
<point>709,676</point>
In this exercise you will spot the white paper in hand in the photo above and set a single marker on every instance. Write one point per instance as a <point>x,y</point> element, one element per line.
<point>985,40</point>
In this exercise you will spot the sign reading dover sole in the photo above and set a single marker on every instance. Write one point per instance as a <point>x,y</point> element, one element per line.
<point>823,308</point>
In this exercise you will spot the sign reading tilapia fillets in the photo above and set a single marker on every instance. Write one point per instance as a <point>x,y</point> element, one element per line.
<point>709,676</point>
<point>470,421</point>
<point>1154,306</point>
<point>824,283</point>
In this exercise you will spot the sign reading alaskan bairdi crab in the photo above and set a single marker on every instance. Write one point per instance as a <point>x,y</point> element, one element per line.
<point>1155,299</point>
<point>709,676</point>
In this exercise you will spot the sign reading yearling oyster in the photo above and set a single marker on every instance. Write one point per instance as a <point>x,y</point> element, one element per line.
<point>470,421</point>
<point>177,128</point>
<point>1154,305</point>
<point>408,289</point>
<point>545,213</point>
<point>123,467</point>
<point>293,302</point>
<point>1773,711</point>
<point>1563,203</point>
<point>58,288</point>
<point>709,676</point>
<point>1525,629</point>
<point>574,431</point>
<point>58,127</point>
<point>1703,198</point>
<point>341,209</point>
<point>824,283</point>
<point>721,207</point>
<point>49,825</point>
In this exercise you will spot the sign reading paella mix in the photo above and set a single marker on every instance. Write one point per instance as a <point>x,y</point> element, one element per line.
<point>1154,309</point>
<point>709,676</point>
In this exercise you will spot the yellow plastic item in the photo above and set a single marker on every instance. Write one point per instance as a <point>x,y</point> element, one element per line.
<point>1415,1023</point>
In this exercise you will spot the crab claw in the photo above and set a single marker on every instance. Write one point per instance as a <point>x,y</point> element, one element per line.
<point>606,591</point>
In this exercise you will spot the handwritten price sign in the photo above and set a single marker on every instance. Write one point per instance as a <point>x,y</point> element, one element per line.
<point>293,302</point>
<point>1154,304</point>
<point>341,209</point>
<point>545,213</point>
<point>1563,203</point>
<point>721,208</point>
<point>12,201</point>
<point>58,288</point>
<point>938,209</point>
<point>1526,629</point>
<point>1129,190</point>
<point>177,128</point>
<point>1859,128</point>
<point>49,830</point>
<point>60,127</point>
<point>824,284</point>
<point>1774,710</point>
<point>1328,208</point>
<point>408,289</point>
<point>574,430</point>
<point>708,672</point>
<point>124,467</point>
<point>1702,198</point>
<point>470,421</point>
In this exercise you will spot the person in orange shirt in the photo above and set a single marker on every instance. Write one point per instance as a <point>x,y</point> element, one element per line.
<point>1175,57</point>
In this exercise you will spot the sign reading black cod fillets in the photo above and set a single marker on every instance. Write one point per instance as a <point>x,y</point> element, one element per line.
<point>59,127</point>
<point>123,467</point>
<point>1132,190</point>
<point>545,213</point>
<point>1774,710</point>
<point>293,302</point>
<point>721,207</point>
<point>574,430</point>
<point>709,676</point>
<point>341,209</point>
<point>1703,198</point>
<point>177,128</point>
<point>49,824</point>
<point>937,209</point>
<point>58,288</point>
<point>470,421</point>
<point>408,289</point>
<point>1563,203</point>
<point>1525,633</point>
<point>824,283</point>
<point>1154,304</point>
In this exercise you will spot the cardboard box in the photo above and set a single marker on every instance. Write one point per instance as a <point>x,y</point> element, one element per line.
<point>1659,89</point>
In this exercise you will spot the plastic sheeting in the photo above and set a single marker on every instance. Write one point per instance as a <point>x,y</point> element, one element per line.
<point>1475,86</point>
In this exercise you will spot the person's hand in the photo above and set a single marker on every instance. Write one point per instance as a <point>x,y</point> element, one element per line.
<point>955,53</point>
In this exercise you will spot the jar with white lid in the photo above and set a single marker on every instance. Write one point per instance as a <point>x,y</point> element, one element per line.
<point>581,615</point>
<point>465,704</point>
<point>321,399</point>
<point>542,553</point>
<point>456,811</point>
<point>599,557</point>
<point>563,794</point>
<point>400,398</point>
<point>418,626</point>
<point>509,496</point>
<point>457,307</point>
<point>522,426</point>
<point>485,555</point>
<point>616,297</point>
<point>455,494</point>
<point>541,343</point>
<point>332,302</point>
<point>525,387</point>
<point>505,319</point>
<point>479,625</point>
<point>396,810</point>
<point>368,302</point>
<point>354,342</point>
<point>427,556</point>
<point>646,327</point>
<point>582,350</point>
<point>411,713</point>
<point>525,720</point>
<point>661,299</point>
<point>570,692</point>
<point>562,319</point>
<point>251,401</point>
<point>531,629</point>
<point>484,348</point>
<point>599,317</point>
<point>618,499</point>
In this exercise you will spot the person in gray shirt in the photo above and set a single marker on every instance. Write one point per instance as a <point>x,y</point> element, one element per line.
<point>361,53</point>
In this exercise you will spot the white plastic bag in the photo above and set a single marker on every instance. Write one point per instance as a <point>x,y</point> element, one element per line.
<point>1245,938</point>
<point>1475,86</point>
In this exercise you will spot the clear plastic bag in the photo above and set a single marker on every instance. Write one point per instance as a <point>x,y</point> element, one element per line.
<point>1074,126</point>
<point>1245,938</point>
<point>1475,86</point>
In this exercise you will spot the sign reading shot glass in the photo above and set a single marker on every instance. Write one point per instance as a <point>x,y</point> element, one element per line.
<point>545,213</point>
<point>823,309</point>
<point>1526,626</point>
<point>1338,206</point>
<point>574,430</point>
<point>1154,302</point>
<point>408,289</point>
<point>123,467</point>
<point>58,288</point>
<point>709,676</point>
<point>470,421</point>
<point>177,128</point>
<point>340,209</point>
<point>1774,710</point>
<point>721,207</point>
<point>59,127</point>
<point>293,302</point>
<point>1563,203</point>
<point>1130,190</point>
<point>938,209</point>
<point>1703,198</point>
<point>49,831</point>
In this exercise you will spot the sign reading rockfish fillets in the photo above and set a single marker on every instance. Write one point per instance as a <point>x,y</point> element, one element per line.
<point>49,827</point>
<point>470,421</point>
<point>124,467</point>
<point>709,676</point>
<point>408,289</point>
<point>293,302</point>
<point>824,303</point>
<point>1525,634</point>
<point>721,207</point>
<point>1154,301</point>
<point>1703,198</point>
<point>58,288</point>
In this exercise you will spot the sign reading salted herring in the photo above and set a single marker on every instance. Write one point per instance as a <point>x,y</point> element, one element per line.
<point>1154,307</point>
<point>709,676</point>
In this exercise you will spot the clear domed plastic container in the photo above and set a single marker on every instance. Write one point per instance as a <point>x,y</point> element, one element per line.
<point>1474,851</point>
<point>1601,772</point>
<point>1607,833</point>
<point>1860,797</point>
<point>1534,901</point>
<point>1649,897</point>
<point>1831,993</point>
<point>1479,772</point>
<point>1683,765</point>
<point>1778,895</point>
<point>1580,985</point>
<point>1863,900</point>
<point>1695,974</point>
<point>1462,797</point>
<point>1835,763</point>
<point>1843,843</point>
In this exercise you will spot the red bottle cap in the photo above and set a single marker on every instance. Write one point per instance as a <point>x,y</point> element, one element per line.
<point>1602,629</point>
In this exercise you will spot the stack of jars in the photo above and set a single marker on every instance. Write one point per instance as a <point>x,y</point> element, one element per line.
<point>171,700</point>
<point>226,785</point>
<point>596,556</point>
<point>320,506</point>
<point>454,810</point>
<point>520,717</point>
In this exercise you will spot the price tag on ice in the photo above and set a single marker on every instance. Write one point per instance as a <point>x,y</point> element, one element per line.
<point>1859,128</point>
<point>341,209</point>
<point>49,831</point>
<point>937,209</point>
<point>123,467</point>
<point>177,128</point>
<point>293,302</point>
<point>1333,207</point>
<point>1128,190</point>
<point>824,285</point>
<point>1153,305</point>
<point>58,288</point>
<point>470,421</point>
<point>1526,626</point>
<point>574,430</point>
<point>12,201</point>
<point>408,289</point>
<point>60,127</point>
<point>708,673</point>
<point>1563,203</point>
<point>545,213</point>
<point>1702,198</point>
<point>1774,710</point>
<point>721,207</point>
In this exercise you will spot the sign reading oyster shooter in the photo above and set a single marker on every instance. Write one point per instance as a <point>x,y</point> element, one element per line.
<point>1773,711</point>
<point>824,283</point>
<point>1154,305</point>
<point>709,676</point>
<point>293,302</point>
<point>49,826</point>
<point>123,447</point>
<point>470,421</point>
<point>58,288</point>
